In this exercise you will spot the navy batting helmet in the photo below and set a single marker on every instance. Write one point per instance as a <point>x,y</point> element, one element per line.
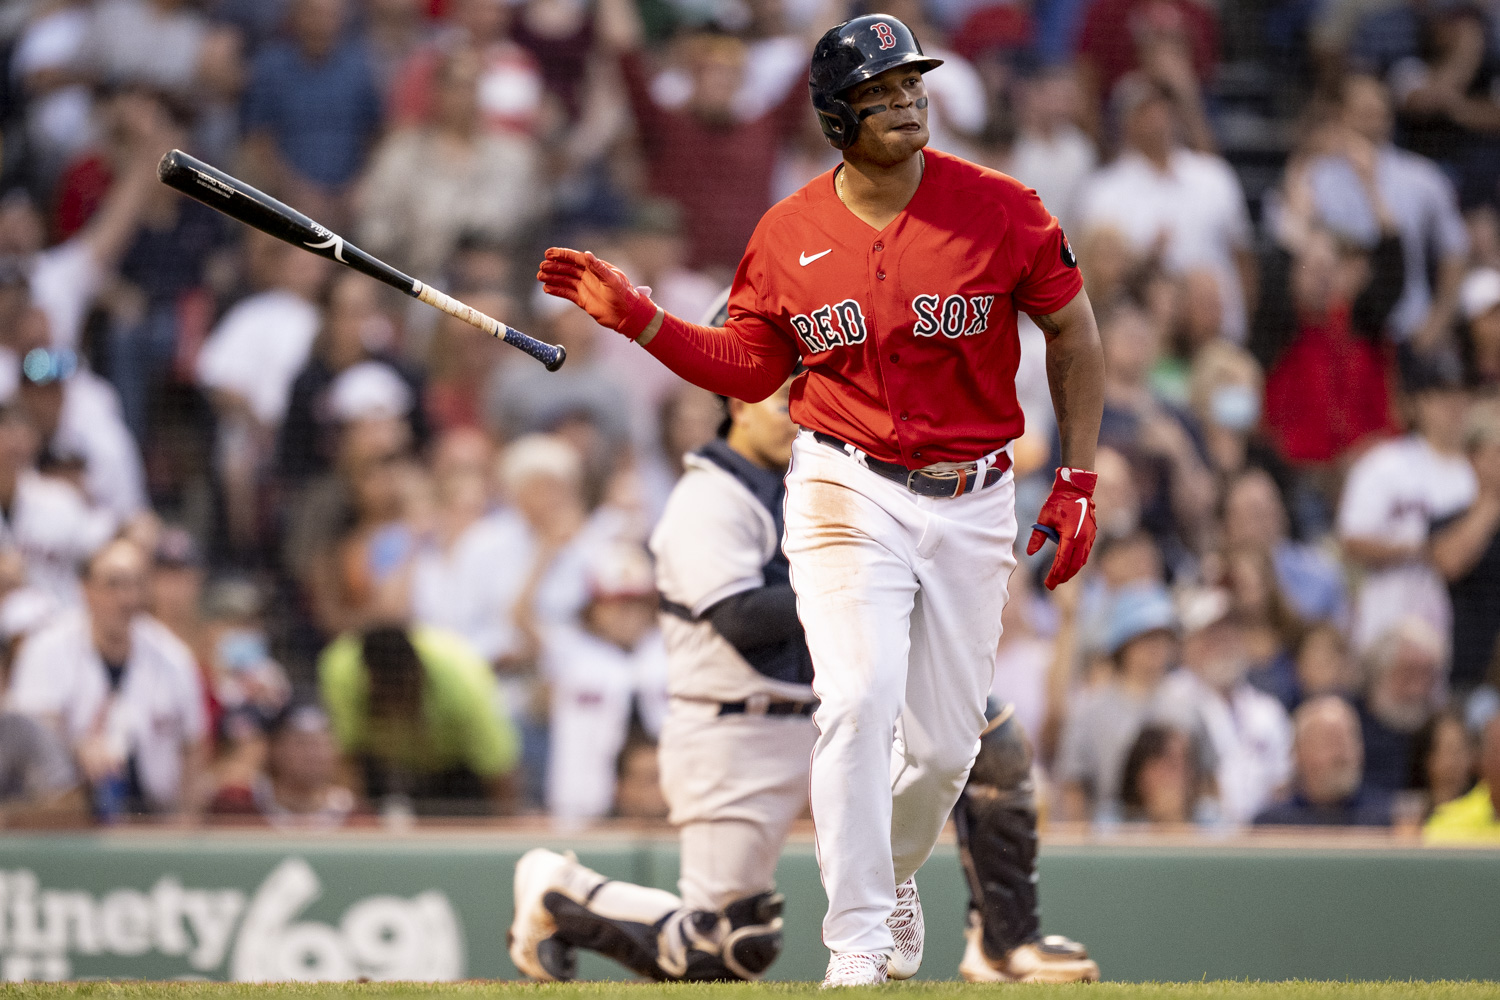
<point>851,53</point>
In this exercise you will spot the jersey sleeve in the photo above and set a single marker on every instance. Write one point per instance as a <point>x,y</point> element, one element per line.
<point>746,359</point>
<point>1046,271</point>
<point>711,542</point>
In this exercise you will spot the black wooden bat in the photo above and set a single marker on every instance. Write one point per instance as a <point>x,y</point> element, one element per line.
<point>239,200</point>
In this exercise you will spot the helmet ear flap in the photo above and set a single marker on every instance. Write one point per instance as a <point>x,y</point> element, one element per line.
<point>839,122</point>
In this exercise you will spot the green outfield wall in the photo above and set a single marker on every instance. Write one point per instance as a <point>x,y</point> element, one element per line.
<point>435,906</point>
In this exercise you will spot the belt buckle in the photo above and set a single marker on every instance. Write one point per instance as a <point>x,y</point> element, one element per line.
<point>960,478</point>
<point>757,704</point>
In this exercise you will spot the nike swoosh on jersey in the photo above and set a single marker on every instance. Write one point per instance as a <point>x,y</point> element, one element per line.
<point>805,260</point>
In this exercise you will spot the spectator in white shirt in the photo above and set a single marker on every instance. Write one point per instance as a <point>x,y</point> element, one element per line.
<point>1415,191</point>
<point>609,666</point>
<point>1391,498</point>
<point>1166,200</point>
<point>45,519</point>
<point>82,427</point>
<point>1245,731</point>
<point>1050,152</point>
<point>248,365</point>
<point>467,576</point>
<point>122,690</point>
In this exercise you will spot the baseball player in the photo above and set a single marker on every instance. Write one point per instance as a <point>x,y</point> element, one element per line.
<point>734,755</point>
<point>895,279</point>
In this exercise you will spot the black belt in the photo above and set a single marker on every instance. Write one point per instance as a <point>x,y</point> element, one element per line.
<point>760,706</point>
<point>924,482</point>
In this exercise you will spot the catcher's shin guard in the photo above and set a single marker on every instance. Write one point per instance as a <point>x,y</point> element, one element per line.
<point>996,821</point>
<point>682,945</point>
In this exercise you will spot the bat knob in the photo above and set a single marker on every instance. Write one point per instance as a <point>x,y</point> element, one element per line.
<point>557,362</point>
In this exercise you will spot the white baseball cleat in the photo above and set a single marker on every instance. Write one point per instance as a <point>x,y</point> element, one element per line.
<point>532,946</point>
<point>909,931</point>
<point>1053,959</point>
<point>855,968</point>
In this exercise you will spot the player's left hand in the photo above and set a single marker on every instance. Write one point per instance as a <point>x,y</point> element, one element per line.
<point>1068,519</point>
<point>598,288</point>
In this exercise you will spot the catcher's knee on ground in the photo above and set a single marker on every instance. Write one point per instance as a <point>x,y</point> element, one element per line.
<point>996,821</point>
<point>737,943</point>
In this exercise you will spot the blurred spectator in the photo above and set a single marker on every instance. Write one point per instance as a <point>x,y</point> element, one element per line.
<point>1475,816</point>
<point>45,519</point>
<point>1246,732</point>
<point>312,111</point>
<point>1326,308</point>
<point>1391,498</point>
<point>174,589</point>
<point>1479,331</point>
<point>248,365</point>
<point>1325,665</point>
<point>460,361</point>
<point>162,44</point>
<point>586,390</point>
<point>417,712</point>
<point>122,690</point>
<point>1225,389</point>
<point>1255,517</point>
<point>45,60</point>
<point>612,664</point>
<point>39,785</point>
<point>1164,782</point>
<point>1415,193</point>
<point>1443,759</point>
<point>1176,487</point>
<point>1404,687</point>
<point>1272,629</point>
<point>638,794</point>
<point>64,279</point>
<point>510,78</point>
<point>427,187</point>
<point>299,788</point>
<point>1050,152</point>
<point>1444,94</point>
<point>248,688</point>
<point>393,30</point>
<point>1118,36</point>
<point>77,417</point>
<point>1183,207</point>
<point>355,330</point>
<point>721,206</point>
<point>1466,551</point>
<point>1328,772</point>
<point>1103,719</point>
<point>468,574</point>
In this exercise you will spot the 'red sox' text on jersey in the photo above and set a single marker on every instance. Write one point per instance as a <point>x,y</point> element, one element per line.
<point>909,333</point>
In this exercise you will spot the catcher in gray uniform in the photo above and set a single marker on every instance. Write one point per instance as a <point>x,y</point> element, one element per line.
<point>735,752</point>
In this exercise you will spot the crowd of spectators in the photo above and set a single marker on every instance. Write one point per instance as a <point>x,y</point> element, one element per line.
<point>277,543</point>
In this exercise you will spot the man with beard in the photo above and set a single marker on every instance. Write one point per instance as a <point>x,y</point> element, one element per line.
<point>1406,671</point>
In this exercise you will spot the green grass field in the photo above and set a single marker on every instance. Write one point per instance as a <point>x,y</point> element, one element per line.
<point>1294,990</point>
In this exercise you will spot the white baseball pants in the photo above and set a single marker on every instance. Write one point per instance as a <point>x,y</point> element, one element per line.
<point>900,596</point>
<point>734,784</point>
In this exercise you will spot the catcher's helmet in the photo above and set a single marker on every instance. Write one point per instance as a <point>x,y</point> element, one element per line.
<point>851,53</point>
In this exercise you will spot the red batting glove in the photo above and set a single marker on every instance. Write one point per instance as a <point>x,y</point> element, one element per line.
<point>598,288</point>
<point>1068,519</point>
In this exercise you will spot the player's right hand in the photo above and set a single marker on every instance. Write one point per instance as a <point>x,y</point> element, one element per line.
<point>1068,519</point>
<point>598,288</point>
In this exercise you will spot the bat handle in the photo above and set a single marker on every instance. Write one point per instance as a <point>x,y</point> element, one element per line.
<point>550,355</point>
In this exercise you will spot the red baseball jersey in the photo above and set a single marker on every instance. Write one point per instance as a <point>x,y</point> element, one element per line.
<point>908,333</point>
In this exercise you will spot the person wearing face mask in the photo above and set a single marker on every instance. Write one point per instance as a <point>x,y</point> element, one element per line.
<point>1226,388</point>
<point>1245,731</point>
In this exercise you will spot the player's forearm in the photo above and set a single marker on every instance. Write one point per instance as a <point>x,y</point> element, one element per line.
<point>1075,374</point>
<point>718,359</point>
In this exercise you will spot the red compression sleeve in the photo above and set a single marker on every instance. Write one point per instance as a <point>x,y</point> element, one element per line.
<point>746,360</point>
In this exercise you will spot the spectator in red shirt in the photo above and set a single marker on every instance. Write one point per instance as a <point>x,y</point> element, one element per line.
<point>1119,35</point>
<point>703,154</point>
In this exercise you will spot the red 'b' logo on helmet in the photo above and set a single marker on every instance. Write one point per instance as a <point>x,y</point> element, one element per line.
<point>884,33</point>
